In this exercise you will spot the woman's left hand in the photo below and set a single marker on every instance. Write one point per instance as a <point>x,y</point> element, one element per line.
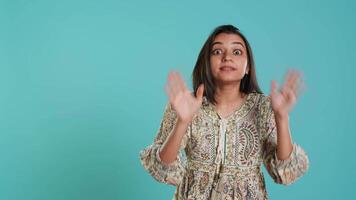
<point>284,99</point>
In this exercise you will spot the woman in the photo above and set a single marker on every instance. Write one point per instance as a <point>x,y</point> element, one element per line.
<point>211,143</point>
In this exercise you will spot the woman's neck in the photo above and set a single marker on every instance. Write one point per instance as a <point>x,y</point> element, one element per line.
<point>228,95</point>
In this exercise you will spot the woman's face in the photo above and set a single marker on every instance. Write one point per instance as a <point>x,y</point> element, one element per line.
<point>228,59</point>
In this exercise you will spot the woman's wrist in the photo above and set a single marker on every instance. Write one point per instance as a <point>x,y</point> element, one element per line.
<point>183,122</point>
<point>281,116</point>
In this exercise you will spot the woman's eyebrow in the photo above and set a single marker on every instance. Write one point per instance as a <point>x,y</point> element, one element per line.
<point>239,43</point>
<point>214,43</point>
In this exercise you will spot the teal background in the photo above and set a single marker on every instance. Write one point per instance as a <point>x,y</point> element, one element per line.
<point>81,89</point>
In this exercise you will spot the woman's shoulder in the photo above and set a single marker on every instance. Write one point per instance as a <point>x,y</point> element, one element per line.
<point>263,97</point>
<point>262,101</point>
<point>260,97</point>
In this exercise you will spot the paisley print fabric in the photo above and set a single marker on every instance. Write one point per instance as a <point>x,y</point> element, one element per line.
<point>221,158</point>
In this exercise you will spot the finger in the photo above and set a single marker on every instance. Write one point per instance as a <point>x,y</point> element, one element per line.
<point>301,87</point>
<point>297,83</point>
<point>171,88</point>
<point>168,92</point>
<point>291,97</point>
<point>173,83</point>
<point>180,82</point>
<point>274,87</point>
<point>288,79</point>
<point>200,92</point>
<point>292,79</point>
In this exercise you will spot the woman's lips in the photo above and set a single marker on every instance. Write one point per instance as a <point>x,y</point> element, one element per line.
<point>227,68</point>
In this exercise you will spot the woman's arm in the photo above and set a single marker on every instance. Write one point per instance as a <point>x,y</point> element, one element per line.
<point>283,101</point>
<point>284,141</point>
<point>185,105</point>
<point>170,150</point>
<point>149,156</point>
<point>287,168</point>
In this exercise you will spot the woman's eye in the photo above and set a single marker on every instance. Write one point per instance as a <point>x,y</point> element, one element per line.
<point>237,52</point>
<point>217,51</point>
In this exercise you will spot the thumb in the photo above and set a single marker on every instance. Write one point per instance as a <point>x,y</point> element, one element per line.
<point>200,91</point>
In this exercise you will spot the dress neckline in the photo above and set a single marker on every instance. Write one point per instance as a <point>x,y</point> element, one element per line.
<point>240,111</point>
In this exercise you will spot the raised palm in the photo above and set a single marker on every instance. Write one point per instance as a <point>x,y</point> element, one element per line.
<point>285,98</point>
<point>181,99</point>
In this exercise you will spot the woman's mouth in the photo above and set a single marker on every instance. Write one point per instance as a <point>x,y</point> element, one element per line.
<point>227,68</point>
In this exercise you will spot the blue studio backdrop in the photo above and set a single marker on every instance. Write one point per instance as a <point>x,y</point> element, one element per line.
<point>82,89</point>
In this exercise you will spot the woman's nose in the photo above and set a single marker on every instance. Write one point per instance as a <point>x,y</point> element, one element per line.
<point>226,57</point>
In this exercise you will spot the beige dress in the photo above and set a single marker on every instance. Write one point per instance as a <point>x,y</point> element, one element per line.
<point>221,158</point>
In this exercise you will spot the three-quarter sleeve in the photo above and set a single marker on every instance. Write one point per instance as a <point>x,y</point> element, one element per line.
<point>282,171</point>
<point>166,173</point>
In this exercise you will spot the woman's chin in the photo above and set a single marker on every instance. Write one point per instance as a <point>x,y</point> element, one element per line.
<point>228,81</point>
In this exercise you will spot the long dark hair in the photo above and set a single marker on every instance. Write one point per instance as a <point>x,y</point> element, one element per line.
<point>202,71</point>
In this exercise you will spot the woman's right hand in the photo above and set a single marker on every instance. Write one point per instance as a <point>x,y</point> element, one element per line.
<point>181,99</point>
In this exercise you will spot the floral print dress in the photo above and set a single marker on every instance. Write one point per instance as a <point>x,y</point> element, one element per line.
<point>221,158</point>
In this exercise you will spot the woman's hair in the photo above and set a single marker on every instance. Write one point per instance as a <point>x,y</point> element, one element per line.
<point>202,71</point>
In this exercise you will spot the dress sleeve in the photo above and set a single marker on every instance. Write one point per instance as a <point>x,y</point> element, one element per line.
<point>282,171</point>
<point>172,173</point>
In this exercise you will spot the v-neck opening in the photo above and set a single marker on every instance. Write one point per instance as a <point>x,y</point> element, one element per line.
<point>236,110</point>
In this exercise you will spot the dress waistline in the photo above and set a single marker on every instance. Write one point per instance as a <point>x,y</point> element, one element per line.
<point>224,169</point>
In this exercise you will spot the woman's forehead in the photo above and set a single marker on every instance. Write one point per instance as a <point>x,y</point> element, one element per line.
<point>229,39</point>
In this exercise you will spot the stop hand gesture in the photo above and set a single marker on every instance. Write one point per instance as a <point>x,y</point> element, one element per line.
<point>284,99</point>
<point>181,98</point>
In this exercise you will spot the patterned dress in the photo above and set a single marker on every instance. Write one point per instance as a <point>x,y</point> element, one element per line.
<point>220,158</point>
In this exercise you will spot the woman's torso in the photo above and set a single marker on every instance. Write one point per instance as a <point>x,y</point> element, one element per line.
<point>224,155</point>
